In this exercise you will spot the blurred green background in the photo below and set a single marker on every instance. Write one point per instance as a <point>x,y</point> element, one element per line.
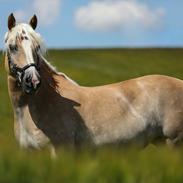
<point>105,165</point>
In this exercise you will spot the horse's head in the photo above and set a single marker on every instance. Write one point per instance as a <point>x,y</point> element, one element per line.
<point>23,50</point>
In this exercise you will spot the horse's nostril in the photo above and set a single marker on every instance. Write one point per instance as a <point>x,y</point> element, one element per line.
<point>35,81</point>
<point>28,79</point>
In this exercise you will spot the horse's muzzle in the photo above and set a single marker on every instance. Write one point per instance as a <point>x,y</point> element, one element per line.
<point>31,83</point>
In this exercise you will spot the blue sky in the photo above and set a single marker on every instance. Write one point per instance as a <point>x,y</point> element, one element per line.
<point>100,23</point>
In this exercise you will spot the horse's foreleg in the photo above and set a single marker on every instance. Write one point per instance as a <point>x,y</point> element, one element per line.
<point>52,152</point>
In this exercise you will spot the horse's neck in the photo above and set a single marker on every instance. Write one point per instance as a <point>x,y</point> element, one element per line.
<point>52,78</point>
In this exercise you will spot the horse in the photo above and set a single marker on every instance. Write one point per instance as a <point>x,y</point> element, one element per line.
<point>51,110</point>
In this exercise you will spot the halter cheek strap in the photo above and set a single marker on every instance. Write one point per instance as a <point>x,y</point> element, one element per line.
<point>18,72</point>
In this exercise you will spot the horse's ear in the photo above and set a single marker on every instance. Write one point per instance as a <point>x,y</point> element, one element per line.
<point>33,22</point>
<point>11,21</point>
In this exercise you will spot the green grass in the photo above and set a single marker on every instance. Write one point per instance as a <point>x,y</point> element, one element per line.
<point>106,165</point>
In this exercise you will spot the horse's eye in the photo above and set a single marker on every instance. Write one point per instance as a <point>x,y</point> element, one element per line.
<point>13,48</point>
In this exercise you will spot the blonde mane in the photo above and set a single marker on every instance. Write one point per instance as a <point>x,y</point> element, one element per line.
<point>10,36</point>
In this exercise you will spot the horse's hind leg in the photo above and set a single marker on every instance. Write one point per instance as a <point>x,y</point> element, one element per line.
<point>175,142</point>
<point>173,128</point>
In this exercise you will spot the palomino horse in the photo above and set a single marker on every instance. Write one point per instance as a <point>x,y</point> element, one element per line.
<point>50,109</point>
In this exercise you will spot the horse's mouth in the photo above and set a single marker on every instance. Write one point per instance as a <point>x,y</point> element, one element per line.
<point>30,89</point>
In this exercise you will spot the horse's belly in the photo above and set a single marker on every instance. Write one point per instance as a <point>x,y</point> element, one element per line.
<point>140,134</point>
<point>118,131</point>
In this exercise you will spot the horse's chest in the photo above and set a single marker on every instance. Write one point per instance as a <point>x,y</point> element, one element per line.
<point>25,138</point>
<point>28,135</point>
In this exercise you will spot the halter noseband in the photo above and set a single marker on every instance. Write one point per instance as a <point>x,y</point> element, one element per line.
<point>18,72</point>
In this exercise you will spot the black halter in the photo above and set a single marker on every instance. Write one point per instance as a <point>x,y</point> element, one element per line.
<point>18,72</point>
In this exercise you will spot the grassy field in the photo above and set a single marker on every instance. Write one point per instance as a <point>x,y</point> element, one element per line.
<point>106,165</point>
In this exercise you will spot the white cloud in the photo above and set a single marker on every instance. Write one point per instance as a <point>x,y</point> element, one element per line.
<point>46,10</point>
<point>107,15</point>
